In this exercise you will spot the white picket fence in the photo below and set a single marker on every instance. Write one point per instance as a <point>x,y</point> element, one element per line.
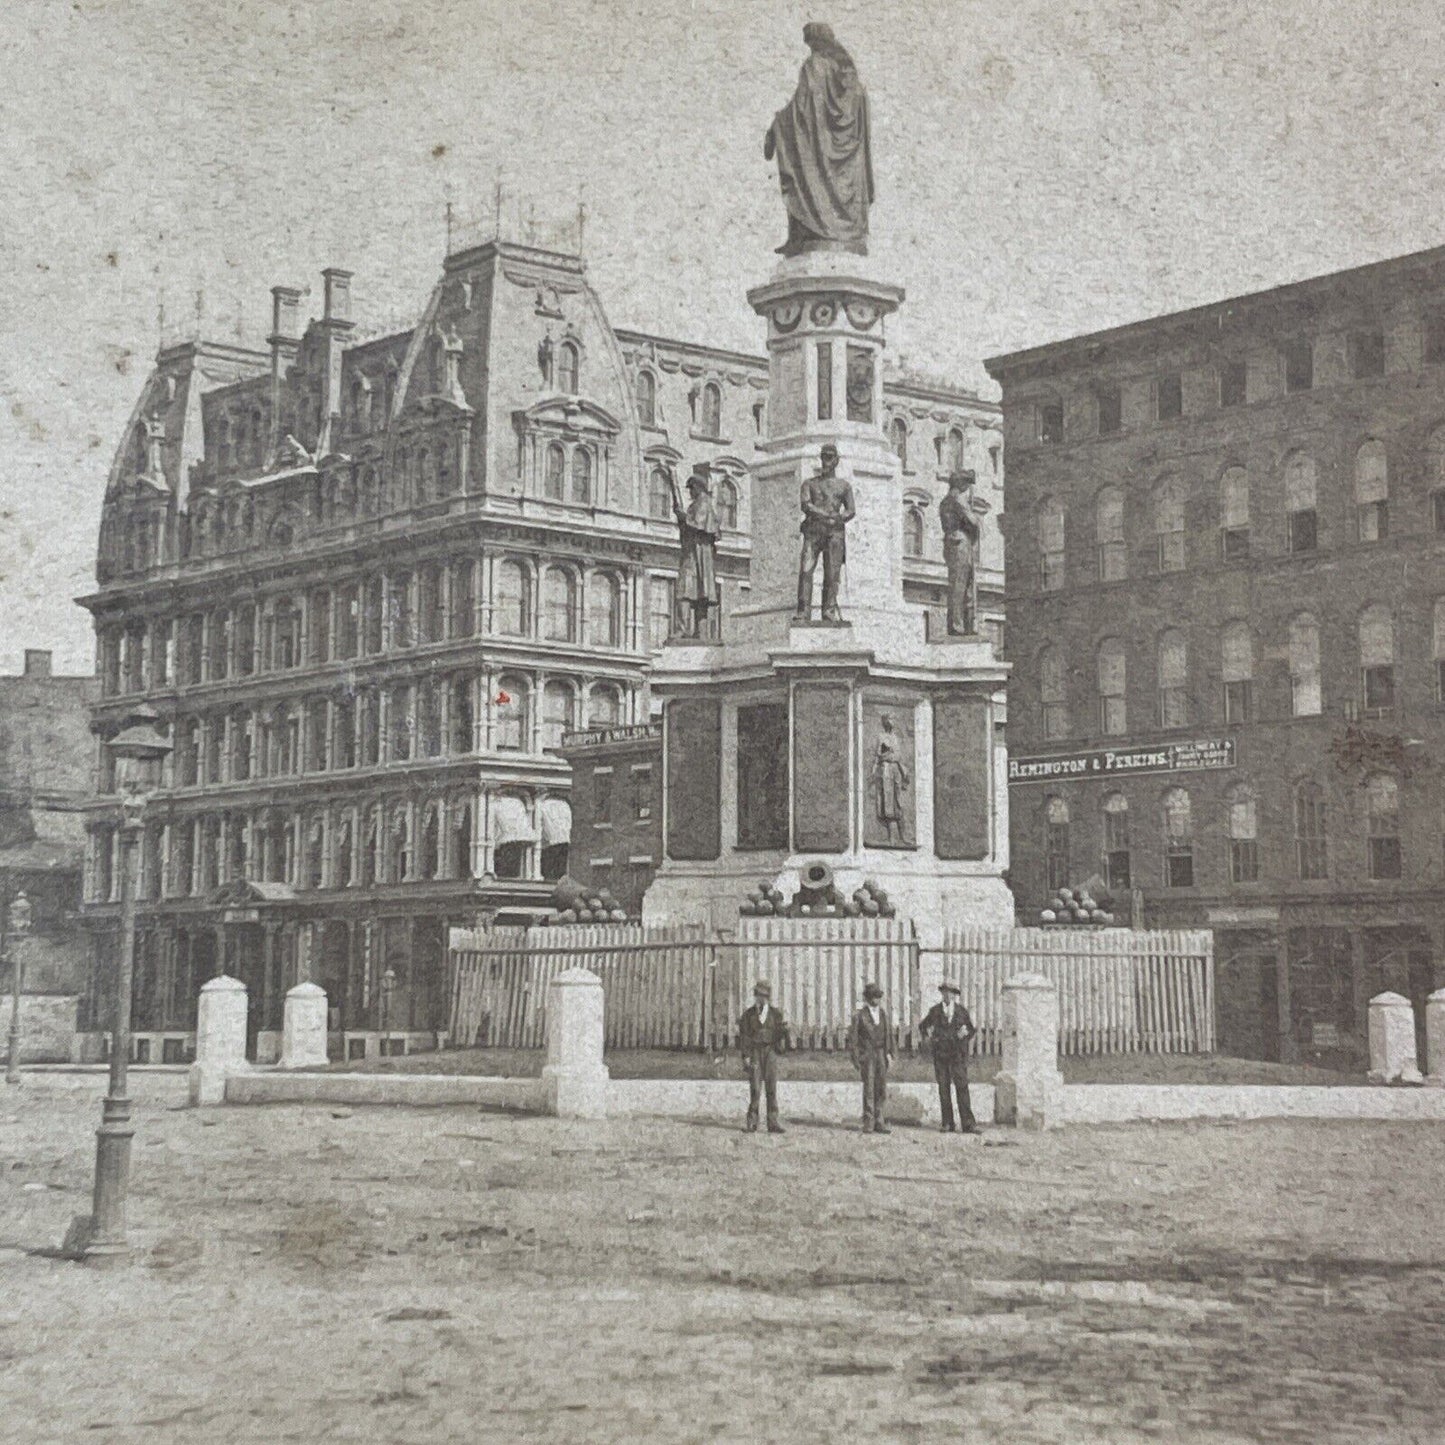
<point>1121,991</point>
<point>654,982</point>
<point>818,968</point>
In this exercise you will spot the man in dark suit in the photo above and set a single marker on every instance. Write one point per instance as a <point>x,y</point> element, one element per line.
<point>762,1036</point>
<point>870,1041</point>
<point>948,1028</point>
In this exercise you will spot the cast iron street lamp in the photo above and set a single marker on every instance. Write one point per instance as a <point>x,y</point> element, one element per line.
<point>14,925</point>
<point>138,749</point>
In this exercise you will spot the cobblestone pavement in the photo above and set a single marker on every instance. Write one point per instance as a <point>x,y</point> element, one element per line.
<point>402,1275</point>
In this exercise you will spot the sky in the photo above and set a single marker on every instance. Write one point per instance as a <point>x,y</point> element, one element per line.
<point>1043,169</point>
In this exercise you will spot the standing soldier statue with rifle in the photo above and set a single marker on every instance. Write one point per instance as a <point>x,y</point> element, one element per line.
<point>827,502</point>
<point>698,532</point>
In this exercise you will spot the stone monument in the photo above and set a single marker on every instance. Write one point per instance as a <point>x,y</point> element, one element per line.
<point>775,745</point>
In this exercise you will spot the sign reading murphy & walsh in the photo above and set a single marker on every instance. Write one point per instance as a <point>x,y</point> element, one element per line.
<point>1183,757</point>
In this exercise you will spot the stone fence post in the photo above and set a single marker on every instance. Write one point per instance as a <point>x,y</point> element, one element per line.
<point>1029,1090</point>
<point>1435,1037</point>
<point>1392,1040</point>
<point>220,1038</point>
<point>574,1077</point>
<point>303,1028</point>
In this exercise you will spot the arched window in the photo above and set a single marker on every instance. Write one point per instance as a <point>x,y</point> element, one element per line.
<point>568,368</point>
<point>446,473</point>
<point>659,495</point>
<point>399,489</point>
<point>556,712</point>
<point>712,410</point>
<point>604,706</point>
<point>1049,533</point>
<point>1056,842</point>
<point>727,505</point>
<point>1382,817</point>
<point>258,438</point>
<point>1052,696</point>
<point>1299,502</point>
<point>1310,838</point>
<point>513,615</point>
<point>646,398</point>
<point>223,442</point>
<point>1236,651</point>
<point>1234,514</point>
<point>1372,492</point>
<point>556,475</point>
<point>1243,836</point>
<point>1109,535</point>
<point>359,412</point>
<point>370,496</point>
<point>398,846</point>
<point>1435,475</point>
<point>512,836</point>
<point>1437,648</point>
<point>428,488</point>
<point>898,439</point>
<point>582,477</point>
<point>559,605</point>
<point>1117,870</point>
<point>459,860</point>
<point>604,610</point>
<point>429,864</point>
<point>1173,662</point>
<point>953,450</point>
<point>345,846</point>
<point>1304,666</point>
<point>1113,709</point>
<point>1377,660</point>
<point>1169,527</point>
<point>1178,840</point>
<point>511,708</point>
<point>912,530</point>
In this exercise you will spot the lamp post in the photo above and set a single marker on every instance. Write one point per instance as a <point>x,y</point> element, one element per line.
<point>14,925</point>
<point>139,749</point>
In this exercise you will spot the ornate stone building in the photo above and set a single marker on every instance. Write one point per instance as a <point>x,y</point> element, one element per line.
<point>1227,622</point>
<point>371,582</point>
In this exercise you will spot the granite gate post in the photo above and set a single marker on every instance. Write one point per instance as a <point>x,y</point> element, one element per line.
<point>303,1028</point>
<point>1029,1090</point>
<point>1392,1040</point>
<point>574,1077</point>
<point>220,1038</point>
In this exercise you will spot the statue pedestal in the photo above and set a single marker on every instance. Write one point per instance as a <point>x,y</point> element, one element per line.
<point>772,733</point>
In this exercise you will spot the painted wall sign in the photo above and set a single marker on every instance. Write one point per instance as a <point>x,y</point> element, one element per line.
<point>1196,755</point>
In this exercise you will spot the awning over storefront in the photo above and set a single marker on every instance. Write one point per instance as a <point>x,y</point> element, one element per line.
<point>510,823</point>
<point>555,815</point>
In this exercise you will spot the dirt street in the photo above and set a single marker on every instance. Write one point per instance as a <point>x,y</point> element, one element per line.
<point>446,1275</point>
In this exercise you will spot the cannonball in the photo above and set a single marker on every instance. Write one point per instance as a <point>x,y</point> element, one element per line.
<point>567,915</point>
<point>747,908</point>
<point>1098,915</point>
<point>618,915</point>
<point>870,909</point>
<point>805,910</point>
<point>871,884</point>
<point>1047,915</point>
<point>852,908</point>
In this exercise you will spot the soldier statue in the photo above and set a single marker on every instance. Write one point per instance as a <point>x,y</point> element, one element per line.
<point>698,531</point>
<point>827,502</point>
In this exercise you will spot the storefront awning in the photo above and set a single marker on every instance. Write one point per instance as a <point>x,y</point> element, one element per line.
<point>510,823</point>
<point>555,816</point>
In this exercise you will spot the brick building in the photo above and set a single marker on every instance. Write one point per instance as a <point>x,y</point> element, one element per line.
<point>616,809</point>
<point>371,582</point>
<point>1226,615</point>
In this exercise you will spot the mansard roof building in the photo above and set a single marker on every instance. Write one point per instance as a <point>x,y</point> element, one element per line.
<point>370,583</point>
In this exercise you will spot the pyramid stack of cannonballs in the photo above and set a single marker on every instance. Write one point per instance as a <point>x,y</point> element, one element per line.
<point>575,904</point>
<point>869,901</point>
<point>1074,906</point>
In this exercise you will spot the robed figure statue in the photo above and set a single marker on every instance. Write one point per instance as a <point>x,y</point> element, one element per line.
<point>698,531</point>
<point>820,139</point>
<point>959,514</point>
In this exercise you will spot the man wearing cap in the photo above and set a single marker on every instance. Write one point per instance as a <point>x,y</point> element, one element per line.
<point>762,1036</point>
<point>948,1028</point>
<point>870,1041</point>
<point>827,502</point>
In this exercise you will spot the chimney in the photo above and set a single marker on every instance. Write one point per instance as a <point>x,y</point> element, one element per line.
<point>37,663</point>
<point>285,304</point>
<point>336,321</point>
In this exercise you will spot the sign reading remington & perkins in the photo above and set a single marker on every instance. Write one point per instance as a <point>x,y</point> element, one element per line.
<point>1196,755</point>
